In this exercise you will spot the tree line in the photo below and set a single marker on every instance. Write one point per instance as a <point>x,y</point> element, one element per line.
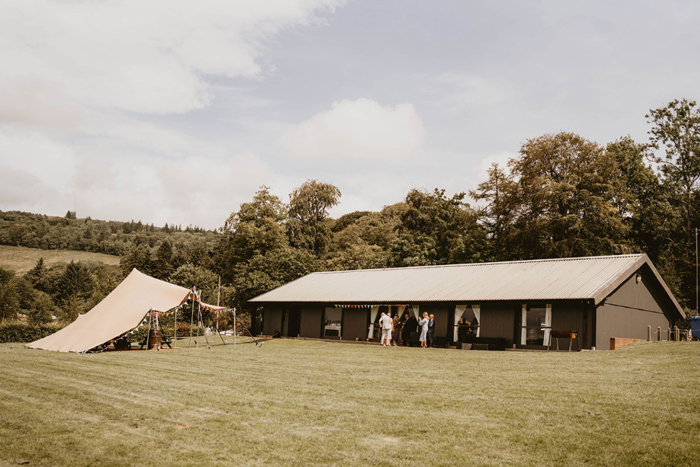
<point>561,195</point>
<point>109,237</point>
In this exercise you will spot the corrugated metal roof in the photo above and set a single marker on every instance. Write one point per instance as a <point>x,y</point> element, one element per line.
<point>546,279</point>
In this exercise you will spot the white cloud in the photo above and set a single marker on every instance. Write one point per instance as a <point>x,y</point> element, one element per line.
<point>186,181</point>
<point>360,129</point>
<point>36,171</point>
<point>462,92</point>
<point>142,56</point>
<point>34,102</point>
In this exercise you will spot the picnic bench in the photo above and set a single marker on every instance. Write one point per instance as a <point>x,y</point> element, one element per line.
<point>557,334</point>
<point>155,339</point>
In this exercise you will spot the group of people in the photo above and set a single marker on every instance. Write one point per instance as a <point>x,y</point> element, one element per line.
<point>392,328</point>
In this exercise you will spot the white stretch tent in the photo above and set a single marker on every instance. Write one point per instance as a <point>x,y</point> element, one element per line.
<point>119,312</point>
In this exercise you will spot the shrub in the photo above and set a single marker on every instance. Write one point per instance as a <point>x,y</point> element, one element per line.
<point>22,332</point>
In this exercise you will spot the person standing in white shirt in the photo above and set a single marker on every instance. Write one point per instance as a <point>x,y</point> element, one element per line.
<point>385,323</point>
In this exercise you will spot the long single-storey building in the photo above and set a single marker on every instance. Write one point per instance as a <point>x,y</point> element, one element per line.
<point>515,304</point>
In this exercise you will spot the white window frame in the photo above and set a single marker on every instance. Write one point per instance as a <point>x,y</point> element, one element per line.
<point>547,324</point>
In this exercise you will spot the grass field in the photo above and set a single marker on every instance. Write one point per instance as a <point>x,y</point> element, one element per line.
<point>21,259</point>
<point>301,402</point>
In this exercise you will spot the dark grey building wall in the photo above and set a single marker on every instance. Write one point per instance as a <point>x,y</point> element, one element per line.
<point>573,316</point>
<point>355,322</point>
<point>311,316</point>
<point>630,309</point>
<point>272,319</point>
<point>498,320</point>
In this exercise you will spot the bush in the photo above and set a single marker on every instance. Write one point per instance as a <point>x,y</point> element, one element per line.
<point>22,332</point>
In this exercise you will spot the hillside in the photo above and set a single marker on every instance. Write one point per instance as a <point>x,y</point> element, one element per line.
<point>86,234</point>
<point>21,260</point>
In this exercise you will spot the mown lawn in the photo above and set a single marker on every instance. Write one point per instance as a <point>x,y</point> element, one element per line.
<point>303,403</point>
<point>22,260</point>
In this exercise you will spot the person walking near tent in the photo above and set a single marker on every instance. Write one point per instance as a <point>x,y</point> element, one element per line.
<point>423,323</point>
<point>431,330</point>
<point>385,323</point>
<point>395,326</point>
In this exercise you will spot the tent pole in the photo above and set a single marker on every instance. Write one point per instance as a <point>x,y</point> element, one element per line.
<point>234,329</point>
<point>148,333</point>
<point>192,317</point>
<point>218,303</point>
<point>201,320</point>
<point>198,324</point>
<point>156,329</point>
<point>175,335</point>
<point>217,326</point>
<point>222,337</point>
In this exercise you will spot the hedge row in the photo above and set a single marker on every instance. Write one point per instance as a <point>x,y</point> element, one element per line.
<point>22,332</point>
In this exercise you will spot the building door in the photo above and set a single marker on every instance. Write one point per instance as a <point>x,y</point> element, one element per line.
<point>535,325</point>
<point>294,324</point>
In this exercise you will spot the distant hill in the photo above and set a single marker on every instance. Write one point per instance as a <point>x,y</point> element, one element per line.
<point>85,234</point>
<point>21,260</point>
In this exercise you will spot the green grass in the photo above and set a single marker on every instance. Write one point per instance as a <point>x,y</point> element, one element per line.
<point>21,259</point>
<point>301,403</point>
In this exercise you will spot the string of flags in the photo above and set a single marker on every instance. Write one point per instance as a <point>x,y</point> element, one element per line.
<point>365,306</point>
<point>160,314</point>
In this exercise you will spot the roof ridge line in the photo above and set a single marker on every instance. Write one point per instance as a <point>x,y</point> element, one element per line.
<point>521,261</point>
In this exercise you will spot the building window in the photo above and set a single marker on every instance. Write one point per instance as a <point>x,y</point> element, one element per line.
<point>468,322</point>
<point>332,322</point>
<point>536,325</point>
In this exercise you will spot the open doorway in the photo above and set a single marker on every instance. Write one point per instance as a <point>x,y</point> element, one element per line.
<point>294,322</point>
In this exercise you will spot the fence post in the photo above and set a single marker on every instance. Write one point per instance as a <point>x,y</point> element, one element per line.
<point>649,332</point>
<point>668,331</point>
<point>659,331</point>
<point>677,336</point>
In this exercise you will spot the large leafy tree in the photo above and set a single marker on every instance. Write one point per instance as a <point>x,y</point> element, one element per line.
<point>494,215</point>
<point>254,254</point>
<point>76,282</point>
<point>9,295</point>
<point>437,229</point>
<point>362,240</point>
<point>139,258</point>
<point>163,262</point>
<point>308,214</point>
<point>189,275</point>
<point>268,271</point>
<point>650,213</point>
<point>74,290</point>
<point>676,131</point>
<point>257,227</point>
<point>562,197</point>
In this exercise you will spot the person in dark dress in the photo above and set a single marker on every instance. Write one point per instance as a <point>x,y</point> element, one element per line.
<point>431,330</point>
<point>409,325</point>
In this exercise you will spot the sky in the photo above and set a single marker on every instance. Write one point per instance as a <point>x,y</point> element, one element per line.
<point>178,111</point>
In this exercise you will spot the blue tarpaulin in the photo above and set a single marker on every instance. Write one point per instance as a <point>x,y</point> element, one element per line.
<point>695,326</point>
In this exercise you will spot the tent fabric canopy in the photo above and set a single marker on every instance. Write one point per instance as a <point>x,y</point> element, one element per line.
<point>120,311</point>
